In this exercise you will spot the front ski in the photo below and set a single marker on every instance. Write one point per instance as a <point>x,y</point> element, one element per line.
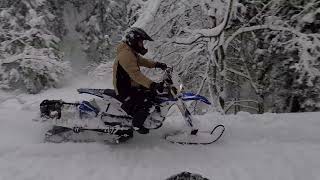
<point>203,138</point>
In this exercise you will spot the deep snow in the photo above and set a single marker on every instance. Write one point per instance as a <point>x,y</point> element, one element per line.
<point>264,147</point>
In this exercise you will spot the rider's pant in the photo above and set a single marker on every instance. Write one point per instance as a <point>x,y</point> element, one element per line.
<point>137,103</point>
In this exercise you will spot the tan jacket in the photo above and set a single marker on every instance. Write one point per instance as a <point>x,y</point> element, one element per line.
<point>129,71</point>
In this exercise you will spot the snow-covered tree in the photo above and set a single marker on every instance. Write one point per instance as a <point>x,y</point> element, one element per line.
<point>102,27</point>
<point>243,54</point>
<point>190,36</point>
<point>187,36</point>
<point>29,56</point>
<point>278,45</point>
<point>39,37</point>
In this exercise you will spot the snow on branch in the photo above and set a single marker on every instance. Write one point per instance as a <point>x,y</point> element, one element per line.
<point>266,26</point>
<point>151,7</point>
<point>187,41</point>
<point>213,32</point>
<point>238,73</point>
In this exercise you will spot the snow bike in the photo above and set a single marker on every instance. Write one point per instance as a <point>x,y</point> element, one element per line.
<point>103,117</point>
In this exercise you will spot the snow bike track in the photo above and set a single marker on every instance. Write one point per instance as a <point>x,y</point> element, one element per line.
<point>264,147</point>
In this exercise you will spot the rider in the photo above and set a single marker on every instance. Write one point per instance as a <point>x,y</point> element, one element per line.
<point>132,87</point>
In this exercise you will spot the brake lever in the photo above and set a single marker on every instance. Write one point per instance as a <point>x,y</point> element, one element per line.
<point>174,90</point>
<point>169,70</point>
<point>169,81</point>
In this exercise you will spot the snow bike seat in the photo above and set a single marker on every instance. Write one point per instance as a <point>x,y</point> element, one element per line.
<point>99,92</point>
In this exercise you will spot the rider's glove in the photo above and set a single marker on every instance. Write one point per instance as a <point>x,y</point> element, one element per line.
<point>156,87</point>
<point>160,65</point>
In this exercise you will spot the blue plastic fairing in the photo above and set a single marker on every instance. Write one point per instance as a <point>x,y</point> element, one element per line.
<point>188,96</point>
<point>85,106</point>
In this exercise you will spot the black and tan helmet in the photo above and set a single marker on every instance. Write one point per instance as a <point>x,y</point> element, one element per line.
<point>133,36</point>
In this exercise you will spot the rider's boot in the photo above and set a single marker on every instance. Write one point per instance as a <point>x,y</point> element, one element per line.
<point>141,130</point>
<point>138,119</point>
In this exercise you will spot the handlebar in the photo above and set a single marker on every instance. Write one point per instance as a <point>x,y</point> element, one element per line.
<point>167,77</point>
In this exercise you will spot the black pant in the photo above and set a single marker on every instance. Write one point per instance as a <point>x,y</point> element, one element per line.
<point>137,103</point>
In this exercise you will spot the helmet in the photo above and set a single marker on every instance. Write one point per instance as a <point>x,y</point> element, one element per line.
<point>132,38</point>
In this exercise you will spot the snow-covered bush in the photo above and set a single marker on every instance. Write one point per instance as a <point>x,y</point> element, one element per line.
<point>30,58</point>
<point>32,70</point>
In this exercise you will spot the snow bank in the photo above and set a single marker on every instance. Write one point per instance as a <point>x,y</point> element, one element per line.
<point>268,146</point>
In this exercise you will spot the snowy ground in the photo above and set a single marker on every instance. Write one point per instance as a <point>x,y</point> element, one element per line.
<point>264,147</point>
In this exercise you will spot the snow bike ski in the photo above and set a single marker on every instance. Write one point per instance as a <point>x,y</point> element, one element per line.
<point>103,118</point>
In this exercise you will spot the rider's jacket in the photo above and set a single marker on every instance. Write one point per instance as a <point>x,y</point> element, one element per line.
<point>126,70</point>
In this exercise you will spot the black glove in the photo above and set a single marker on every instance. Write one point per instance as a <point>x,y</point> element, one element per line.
<point>156,87</point>
<point>160,65</point>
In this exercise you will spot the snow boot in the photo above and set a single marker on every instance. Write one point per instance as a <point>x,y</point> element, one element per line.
<point>141,130</point>
<point>138,119</point>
